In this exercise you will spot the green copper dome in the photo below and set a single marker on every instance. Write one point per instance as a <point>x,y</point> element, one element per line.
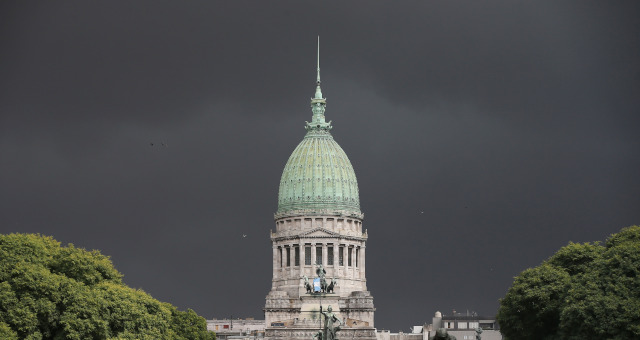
<point>318,177</point>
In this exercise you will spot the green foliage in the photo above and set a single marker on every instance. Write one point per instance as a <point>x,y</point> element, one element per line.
<point>53,292</point>
<point>576,258</point>
<point>83,266</point>
<point>532,305</point>
<point>189,325</point>
<point>7,333</point>
<point>584,291</point>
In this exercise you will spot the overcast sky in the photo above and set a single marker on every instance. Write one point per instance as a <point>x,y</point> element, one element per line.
<point>485,135</point>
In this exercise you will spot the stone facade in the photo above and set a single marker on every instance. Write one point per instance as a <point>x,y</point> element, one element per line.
<point>300,243</point>
<point>308,333</point>
<point>225,328</point>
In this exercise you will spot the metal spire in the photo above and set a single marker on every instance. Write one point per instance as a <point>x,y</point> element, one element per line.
<point>318,90</point>
<point>318,81</point>
<point>318,103</point>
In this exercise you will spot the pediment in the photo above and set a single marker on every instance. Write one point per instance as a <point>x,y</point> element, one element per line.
<point>319,232</point>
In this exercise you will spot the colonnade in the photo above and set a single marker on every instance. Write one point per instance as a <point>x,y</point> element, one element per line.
<point>340,259</point>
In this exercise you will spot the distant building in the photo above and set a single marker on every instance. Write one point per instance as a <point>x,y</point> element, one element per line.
<point>414,335</point>
<point>463,327</point>
<point>237,328</point>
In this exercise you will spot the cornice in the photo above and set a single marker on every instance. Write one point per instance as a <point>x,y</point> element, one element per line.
<point>318,212</point>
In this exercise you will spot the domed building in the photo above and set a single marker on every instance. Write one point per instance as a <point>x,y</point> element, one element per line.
<point>319,243</point>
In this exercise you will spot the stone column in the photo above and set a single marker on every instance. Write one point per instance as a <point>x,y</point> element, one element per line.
<point>347,268</point>
<point>324,254</point>
<point>313,254</point>
<point>303,268</point>
<point>356,271</point>
<point>362,272</point>
<point>301,252</point>
<point>343,272</point>
<point>292,258</point>
<point>359,262</point>
<point>275,261</point>
<point>299,271</point>
<point>353,261</point>
<point>335,258</point>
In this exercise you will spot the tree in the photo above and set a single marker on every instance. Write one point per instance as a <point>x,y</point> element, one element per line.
<point>442,334</point>
<point>584,291</point>
<point>48,291</point>
<point>7,333</point>
<point>189,325</point>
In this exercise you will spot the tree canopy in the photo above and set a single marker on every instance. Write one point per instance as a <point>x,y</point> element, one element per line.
<point>442,334</point>
<point>584,291</point>
<point>49,291</point>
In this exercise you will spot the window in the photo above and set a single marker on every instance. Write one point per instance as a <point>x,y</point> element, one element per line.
<point>349,255</point>
<point>357,253</point>
<point>473,325</point>
<point>462,325</point>
<point>307,256</point>
<point>330,256</point>
<point>486,325</point>
<point>318,254</point>
<point>280,252</point>
<point>288,257</point>
<point>296,253</point>
<point>341,256</point>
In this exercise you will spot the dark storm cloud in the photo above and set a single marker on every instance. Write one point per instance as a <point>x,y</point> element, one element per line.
<point>484,137</point>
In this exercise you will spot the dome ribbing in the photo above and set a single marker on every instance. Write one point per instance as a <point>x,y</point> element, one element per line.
<point>318,177</point>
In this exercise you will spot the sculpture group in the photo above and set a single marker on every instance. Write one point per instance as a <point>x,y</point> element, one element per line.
<point>320,285</point>
<point>324,286</point>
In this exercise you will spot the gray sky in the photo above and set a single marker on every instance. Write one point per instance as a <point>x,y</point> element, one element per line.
<point>485,136</point>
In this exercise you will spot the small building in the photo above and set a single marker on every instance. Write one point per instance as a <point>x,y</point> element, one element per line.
<point>414,335</point>
<point>248,328</point>
<point>463,326</point>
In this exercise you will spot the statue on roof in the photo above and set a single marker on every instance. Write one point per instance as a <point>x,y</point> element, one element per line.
<point>307,285</point>
<point>332,285</point>
<point>321,272</point>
